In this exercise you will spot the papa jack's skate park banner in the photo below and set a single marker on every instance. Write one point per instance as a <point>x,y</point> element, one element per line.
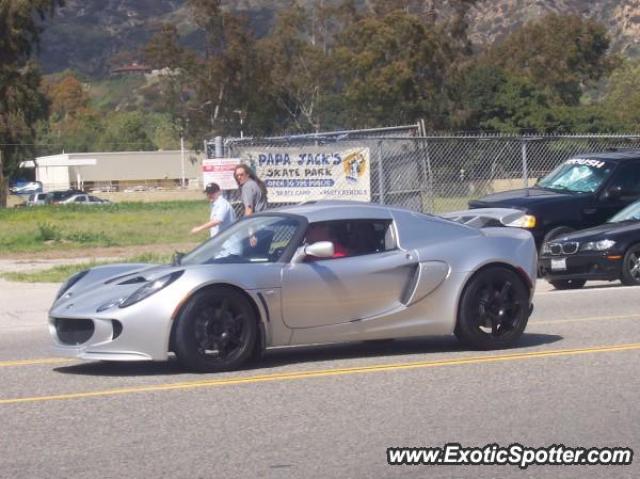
<point>293,175</point>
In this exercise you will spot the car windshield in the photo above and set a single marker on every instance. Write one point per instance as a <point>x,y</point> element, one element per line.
<point>257,239</point>
<point>577,176</point>
<point>630,213</point>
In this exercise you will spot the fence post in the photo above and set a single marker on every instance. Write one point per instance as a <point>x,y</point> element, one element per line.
<point>380,177</point>
<point>427,175</point>
<point>525,169</point>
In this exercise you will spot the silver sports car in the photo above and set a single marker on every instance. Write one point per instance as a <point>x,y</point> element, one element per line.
<point>318,272</point>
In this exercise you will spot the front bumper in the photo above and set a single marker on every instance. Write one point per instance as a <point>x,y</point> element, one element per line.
<point>605,266</point>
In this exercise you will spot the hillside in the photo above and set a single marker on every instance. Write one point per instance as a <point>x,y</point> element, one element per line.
<point>85,35</point>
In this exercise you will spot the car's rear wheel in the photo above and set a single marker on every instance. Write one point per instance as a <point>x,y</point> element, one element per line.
<point>494,309</point>
<point>568,283</point>
<point>216,330</point>
<point>631,266</point>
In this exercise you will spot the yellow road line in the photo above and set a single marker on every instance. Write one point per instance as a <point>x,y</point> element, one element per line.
<point>31,362</point>
<point>580,320</point>
<point>37,361</point>
<point>327,373</point>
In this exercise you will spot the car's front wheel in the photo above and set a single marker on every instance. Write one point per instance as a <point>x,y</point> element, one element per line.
<point>216,330</point>
<point>631,266</point>
<point>494,309</point>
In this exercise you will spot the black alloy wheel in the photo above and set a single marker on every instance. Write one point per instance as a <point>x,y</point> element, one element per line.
<point>494,309</point>
<point>216,331</point>
<point>631,266</point>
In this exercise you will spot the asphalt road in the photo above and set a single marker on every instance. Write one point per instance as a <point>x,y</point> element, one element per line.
<point>324,411</point>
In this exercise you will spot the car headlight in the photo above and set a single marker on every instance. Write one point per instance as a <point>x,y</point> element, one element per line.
<point>149,288</point>
<point>601,245</point>
<point>66,286</point>
<point>525,221</point>
<point>546,249</point>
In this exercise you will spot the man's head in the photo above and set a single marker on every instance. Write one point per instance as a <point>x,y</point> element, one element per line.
<point>318,232</point>
<point>242,174</point>
<point>212,190</point>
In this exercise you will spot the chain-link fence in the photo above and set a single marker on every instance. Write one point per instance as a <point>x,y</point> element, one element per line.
<point>436,174</point>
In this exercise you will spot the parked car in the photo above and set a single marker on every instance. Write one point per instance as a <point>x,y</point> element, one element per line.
<point>84,199</point>
<point>26,188</point>
<point>55,197</point>
<point>379,272</point>
<point>37,199</point>
<point>583,191</point>
<point>607,252</point>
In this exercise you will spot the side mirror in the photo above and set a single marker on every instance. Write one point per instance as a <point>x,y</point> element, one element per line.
<point>613,193</point>
<point>320,249</point>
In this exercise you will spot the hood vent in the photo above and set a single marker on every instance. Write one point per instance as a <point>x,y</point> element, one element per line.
<point>134,280</point>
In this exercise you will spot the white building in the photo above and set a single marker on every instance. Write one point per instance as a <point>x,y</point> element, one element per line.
<point>118,170</point>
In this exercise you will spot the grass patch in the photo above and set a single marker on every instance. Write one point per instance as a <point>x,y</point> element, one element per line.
<point>59,273</point>
<point>51,228</point>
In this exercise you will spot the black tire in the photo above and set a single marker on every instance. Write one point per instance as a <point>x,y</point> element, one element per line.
<point>568,283</point>
<point>557,231</point>
<point>493,310</point>
<point>631,266</point>
<point>216,331</point>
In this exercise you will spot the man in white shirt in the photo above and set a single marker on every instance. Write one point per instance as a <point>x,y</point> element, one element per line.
<point>222,215</point>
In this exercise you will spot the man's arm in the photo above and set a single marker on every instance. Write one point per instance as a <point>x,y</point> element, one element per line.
<point>204,226</point>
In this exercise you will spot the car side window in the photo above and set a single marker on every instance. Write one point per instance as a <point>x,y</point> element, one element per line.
<point>353,237</point>
<point>628,179</point>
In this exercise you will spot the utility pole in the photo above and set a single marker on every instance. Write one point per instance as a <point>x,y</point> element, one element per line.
<point>3,190</point>
<point>182,159</point>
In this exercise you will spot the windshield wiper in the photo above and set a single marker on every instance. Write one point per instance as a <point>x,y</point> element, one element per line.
<point>628,220</point>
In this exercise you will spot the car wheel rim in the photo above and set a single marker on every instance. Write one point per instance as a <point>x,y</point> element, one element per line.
<point>219,331</point>
<point>634,266</point>
<point>498,308</point>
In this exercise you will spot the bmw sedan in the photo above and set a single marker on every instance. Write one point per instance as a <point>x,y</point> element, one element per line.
<point>607,252</point>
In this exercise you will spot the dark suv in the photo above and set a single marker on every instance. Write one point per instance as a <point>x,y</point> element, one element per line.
<point>584,191</point>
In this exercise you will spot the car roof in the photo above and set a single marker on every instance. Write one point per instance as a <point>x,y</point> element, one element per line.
<point>615,155</point>
<point>326,210</point>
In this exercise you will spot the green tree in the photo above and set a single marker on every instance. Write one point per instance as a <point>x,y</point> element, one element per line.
<point>621,101</point>
<point>558,53</point>
<point>299,69</point>
<point>393,70</point>
<point>22,105</point>
<point>125,131</point>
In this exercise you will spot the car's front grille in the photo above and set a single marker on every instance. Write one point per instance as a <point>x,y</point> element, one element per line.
<point>570,247</point>
<point>73,331</point>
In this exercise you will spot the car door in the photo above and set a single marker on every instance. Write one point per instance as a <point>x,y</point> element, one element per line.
<point>622,190</point>
<point>370,280</point>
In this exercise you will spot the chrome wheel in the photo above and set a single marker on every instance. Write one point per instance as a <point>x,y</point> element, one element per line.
<point>631,266</point>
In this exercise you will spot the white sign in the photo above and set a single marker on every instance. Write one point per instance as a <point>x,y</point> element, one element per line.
<point>300,174</point>
<point>219,170</point>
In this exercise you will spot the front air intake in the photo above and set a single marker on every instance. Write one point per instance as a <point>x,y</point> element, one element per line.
<point>73,331</point>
